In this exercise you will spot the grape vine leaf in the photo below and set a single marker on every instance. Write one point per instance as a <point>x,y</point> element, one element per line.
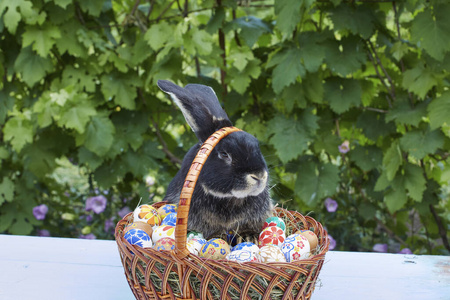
<point>438,111</point>
<point>419,143</point>
<point>415,182</point>
<point>392,160</point>
<point>342,93</point>
<point>32,67</point>
<point>6,190</point>
<point>99,135</point>
<point>19,132</point>
<point>41,38</point>
<point>288,68</point>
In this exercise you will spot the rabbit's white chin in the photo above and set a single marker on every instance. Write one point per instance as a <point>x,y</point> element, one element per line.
<point>255,186</point>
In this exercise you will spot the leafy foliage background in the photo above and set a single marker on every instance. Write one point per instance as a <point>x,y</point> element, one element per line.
<point>80,113</point>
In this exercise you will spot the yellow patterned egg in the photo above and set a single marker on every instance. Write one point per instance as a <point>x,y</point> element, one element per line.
<point>147,214</point>
<point>163,231</point>
<point>166,209</point>
<point>270,253</point>
<point>215,249</point>
<point>164,244</point>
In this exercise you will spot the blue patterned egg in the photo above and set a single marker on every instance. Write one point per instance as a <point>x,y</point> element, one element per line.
<point>138,237</point>
<point>215,249</point>
<point>170,219</point>
<point>246,246</point>
<point>274,221</point>
<point>166,209</point>
<point>295,247</point>
<point>242,256</point>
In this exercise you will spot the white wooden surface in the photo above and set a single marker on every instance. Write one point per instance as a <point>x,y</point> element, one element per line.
<point>65,269</point>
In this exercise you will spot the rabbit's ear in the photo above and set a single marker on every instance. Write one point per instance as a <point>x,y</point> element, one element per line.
<point>200,107</point>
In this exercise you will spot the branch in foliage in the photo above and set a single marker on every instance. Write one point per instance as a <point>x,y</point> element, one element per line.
<point>380,77</point>
<point>392,89</point>
<point>442,230</point>
<point>174,159</point>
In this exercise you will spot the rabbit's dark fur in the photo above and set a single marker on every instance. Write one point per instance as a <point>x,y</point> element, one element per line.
<point>231,192</point>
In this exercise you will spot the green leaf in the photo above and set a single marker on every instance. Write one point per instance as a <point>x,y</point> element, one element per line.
<point>291,137</point>
<point>419,80</point>
<point>99,135</point>
<point>342,94</point>
<point>19,132</point>
<point>42,38</point>
<point>12,10</point>
<point>392,160</point>
<point>94,8</point>
<point>21,226</point>
<point>374,125</point>
<point>399,49</point>
<point>415,181</point>
<point>89,158</point>
<point>158,34</point>
<point>288,68</point>
<point>404,114</point>
<point>70,42</point>
<point>358,19</point>
<point>202,41</point>
<point>366,157</point>
<point>6,190</point>
<point>419,143</point>
<point>432,29</point>
<point>344,57</point>
<point>288,13</point>
<point>251,28</point>
<point>6,105</point>
<point>241,80</point>
<point>395,198</point>
<point>438,111</point>
<point>312,52</point>
<point>316,181</point>
<point>77,115</point>
<point>32,67</point>
<point>122,89</point>
<point>61,3</point>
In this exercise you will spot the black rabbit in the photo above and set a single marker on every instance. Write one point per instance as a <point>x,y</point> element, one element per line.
<point>231,192</point>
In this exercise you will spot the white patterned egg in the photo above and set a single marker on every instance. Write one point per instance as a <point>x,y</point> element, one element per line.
<point>246,246</point>
<point>163,231</point>
<point>270,253</point>
<point>242,256</point>
<point>296,247</point>
<point>195,245</point>
<point>194,235</point>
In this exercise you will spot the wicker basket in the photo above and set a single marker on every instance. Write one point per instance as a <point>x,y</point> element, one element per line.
<point>178,274</point>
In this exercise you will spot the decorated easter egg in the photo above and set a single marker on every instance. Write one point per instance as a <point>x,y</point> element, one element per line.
<point>163,231</point>
<point>270,253</point>
<point>166,209</point>
<point>194,235</point>
<point>195,245</point>
<point>139,225</point>
<point>242,256</point>
<point>295,247</point>
<point>215,249</point>
<point>138,237</point>
<point>246,246</point>
<point>164,244</point>
<point>147,214</point>
<point>275,221</point>
<point>271,235</point>
<point>170,219</point>
<point>312,238</point>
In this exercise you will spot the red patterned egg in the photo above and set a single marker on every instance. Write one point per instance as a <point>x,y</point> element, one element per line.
<point>271,235</point>
<point>274,221</point>
<point>164,244</point>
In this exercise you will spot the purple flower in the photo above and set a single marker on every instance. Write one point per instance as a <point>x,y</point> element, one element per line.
<point>331,205</point>
<point>109,223</point>
<point>97,204</point>
<point>344,147</point>
<point>332,242</point>
<point>405,251</point>
<point>382,248</point>
<point>89,236</point>
<point>40,211</point>
<point>43,232</point>
<point>125,210</point>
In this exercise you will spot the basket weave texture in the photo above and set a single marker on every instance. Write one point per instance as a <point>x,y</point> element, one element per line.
<point>178,274</point>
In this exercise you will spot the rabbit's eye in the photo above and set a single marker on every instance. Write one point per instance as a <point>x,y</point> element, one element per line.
<point>225,156</point>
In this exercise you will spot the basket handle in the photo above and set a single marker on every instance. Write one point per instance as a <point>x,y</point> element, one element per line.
<point>188,188</point>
